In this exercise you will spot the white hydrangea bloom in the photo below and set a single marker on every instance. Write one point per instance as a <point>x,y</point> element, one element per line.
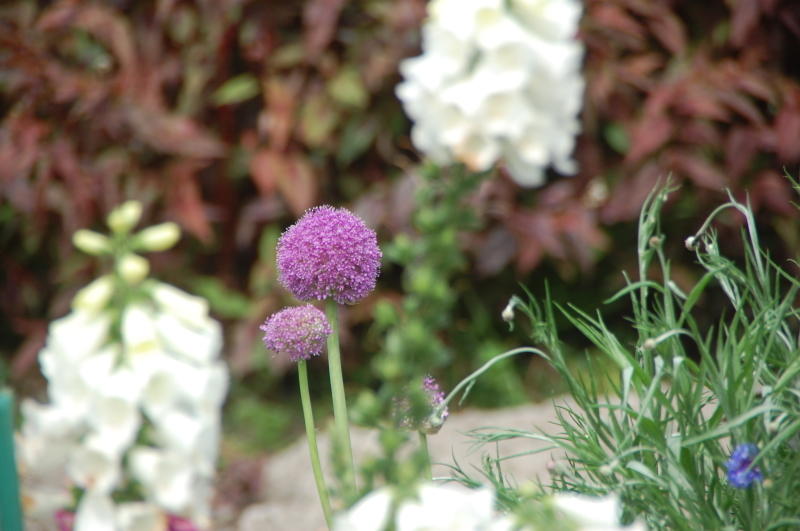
<point>497,79</point>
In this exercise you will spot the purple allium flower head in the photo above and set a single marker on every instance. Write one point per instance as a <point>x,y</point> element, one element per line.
<point>299,332</point>
<point>402,413</point>
<point>329,252</point>
<point>740,472</point>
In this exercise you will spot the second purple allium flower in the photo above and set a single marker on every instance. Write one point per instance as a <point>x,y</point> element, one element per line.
<point>740,472</point>
<point>329,252</point>
<point>299,332</point>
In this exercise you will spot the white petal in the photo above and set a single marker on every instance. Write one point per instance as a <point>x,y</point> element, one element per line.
<point>141,516</point>
<point>371,513</point>
<point>589,511</point>
<point>166,476</point>
<point>200,343</point>
<point>78,334</point>
<point>139,329</point>
<point>115,423</point>
<point>446,507</point>
<point>180,304</point>
<point>95,513</point>
<point>98,368</point>
<point>93,469</point>
<point>552,20</point>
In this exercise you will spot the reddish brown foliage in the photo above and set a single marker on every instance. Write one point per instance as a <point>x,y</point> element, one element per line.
<point>230,115</point>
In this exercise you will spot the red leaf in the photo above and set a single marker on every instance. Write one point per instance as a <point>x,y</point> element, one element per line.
<point>630,193</point>
<point>647,136</point>
<point>741,147</point>
<point>616,18</point>
<point>297,184</point>
<point>174,134</point>
<point>281,94</point>
<point>186,200</point>
<point>266,165</point>
<point>669,31</point>
<point>698,169</point>
<point>320,18</point>
<point>771,189</point>
<point>744,19</point>
<point>787,127</point>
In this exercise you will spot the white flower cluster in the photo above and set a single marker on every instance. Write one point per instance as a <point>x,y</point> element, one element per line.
<point>450,508</point>
<point>497,79</point>
<point>135,393</point>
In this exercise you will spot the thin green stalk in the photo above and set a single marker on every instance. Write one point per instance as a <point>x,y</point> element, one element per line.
<point>423,444</point>
<point>311,435</point>
<point>342,426</point>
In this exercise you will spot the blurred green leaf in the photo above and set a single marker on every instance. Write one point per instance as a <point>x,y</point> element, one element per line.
<point>348,89</point>
<point>357,136</point>
<point>226,303</point>
<point>236,90</point>
<point>617,137</point>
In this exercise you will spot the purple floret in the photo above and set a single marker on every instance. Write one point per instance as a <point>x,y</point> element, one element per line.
<point>299,332</point>
<point>329,252</point>
<point>741,473</point>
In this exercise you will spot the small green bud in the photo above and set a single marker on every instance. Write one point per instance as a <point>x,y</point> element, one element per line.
<point>125,217</point>
<point>91,242</point>
<point>133,268</point>
<point>158,237</point>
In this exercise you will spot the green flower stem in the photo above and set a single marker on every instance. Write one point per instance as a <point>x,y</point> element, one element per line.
<point>423,445</point>
<point>342,426</point>
<point>311,435</point>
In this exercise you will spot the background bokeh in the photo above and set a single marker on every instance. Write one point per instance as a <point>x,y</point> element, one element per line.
<point>232,117</point>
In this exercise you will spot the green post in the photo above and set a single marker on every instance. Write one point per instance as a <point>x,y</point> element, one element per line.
<point>10,510</point>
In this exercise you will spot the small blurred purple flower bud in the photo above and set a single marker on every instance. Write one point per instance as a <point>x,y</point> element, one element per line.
<point>300,332</point>
<point>329,252</point>
<point>741,473</point>
<point>403,415</point>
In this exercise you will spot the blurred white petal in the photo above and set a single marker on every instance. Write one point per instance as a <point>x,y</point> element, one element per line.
<point>95,513</point>
<point>200,342</point>
<point>98,368</point>
<point>371,513</point>
<point>445,507</point>
<point>78,334</point>
<point>553,20</point>
<point>141,516</point>
<point>590,511</point>
<point>138,329</point>
<point>93,469</point>
<point>178,303</point>
<point>115,423</point>
<point>166,476</point>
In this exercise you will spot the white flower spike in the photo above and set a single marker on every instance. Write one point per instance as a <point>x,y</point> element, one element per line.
<point>497,80</point>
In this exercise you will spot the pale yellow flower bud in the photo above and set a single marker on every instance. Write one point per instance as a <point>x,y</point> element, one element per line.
<point>125,217</point>
<point>133,268</point>
<point>91,242</point>
<point>94,297</point>
<point>158,237</point>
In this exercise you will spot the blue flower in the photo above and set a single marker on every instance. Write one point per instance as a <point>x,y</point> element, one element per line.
<point>741,473</point>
